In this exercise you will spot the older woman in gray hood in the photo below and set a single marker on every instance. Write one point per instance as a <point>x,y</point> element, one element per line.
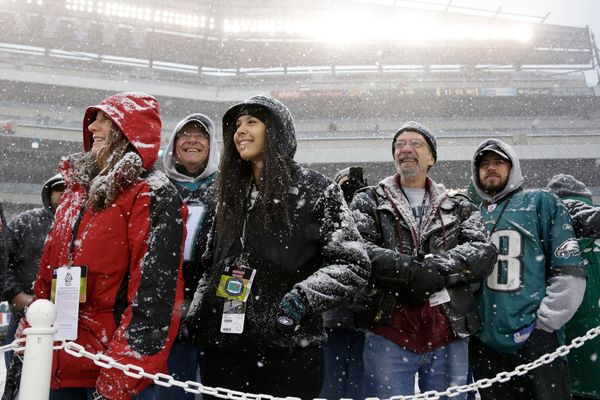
<point>191,163</point>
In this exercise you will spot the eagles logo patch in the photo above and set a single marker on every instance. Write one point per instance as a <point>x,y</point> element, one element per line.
<point>568,248</point>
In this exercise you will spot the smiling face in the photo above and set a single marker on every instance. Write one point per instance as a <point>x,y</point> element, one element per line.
<point>192,147</point>
<point>412,156</point>
<point>493,172</point>
<point>249,138</point>
<point>100,129</point>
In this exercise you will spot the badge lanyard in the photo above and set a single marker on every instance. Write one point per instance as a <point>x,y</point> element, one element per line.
<point>497,220</point>
<point>74,233</point>
<point>235,284</point>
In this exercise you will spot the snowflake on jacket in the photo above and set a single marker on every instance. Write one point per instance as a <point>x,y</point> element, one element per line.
<point>321,256</point>
<point>452,230</point>
<point>130,239</point>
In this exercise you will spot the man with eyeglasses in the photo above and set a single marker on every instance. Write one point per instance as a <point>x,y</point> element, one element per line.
<point>429,252</point>
<point>191,161</point>
<point>537,283</point>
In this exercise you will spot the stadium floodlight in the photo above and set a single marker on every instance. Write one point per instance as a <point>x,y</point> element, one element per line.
<point>139,12</point>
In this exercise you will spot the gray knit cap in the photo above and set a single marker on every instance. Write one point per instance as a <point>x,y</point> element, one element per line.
<point>564,185</point>
<point>424,131</point>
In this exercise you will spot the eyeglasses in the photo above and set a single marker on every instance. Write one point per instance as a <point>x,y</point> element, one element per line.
<point>187,135</point>
<point>416,143</point>
<point>499,162</point>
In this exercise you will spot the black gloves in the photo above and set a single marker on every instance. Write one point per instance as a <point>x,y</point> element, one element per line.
<point>454,272</point>
<point>292,308</point>
<point>424,280</point>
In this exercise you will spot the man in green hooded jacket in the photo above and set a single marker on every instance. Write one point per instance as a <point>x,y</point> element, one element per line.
<point>583,365</point>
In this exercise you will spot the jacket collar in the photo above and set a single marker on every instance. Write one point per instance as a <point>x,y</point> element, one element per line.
<point>436,193</point>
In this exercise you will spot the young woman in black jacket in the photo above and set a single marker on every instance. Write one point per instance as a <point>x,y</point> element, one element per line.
<point>284,249</point>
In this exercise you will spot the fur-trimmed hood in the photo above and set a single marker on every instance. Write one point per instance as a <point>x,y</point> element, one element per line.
<point>138,117</point>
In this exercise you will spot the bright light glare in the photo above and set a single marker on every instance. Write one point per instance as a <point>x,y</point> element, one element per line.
<point>354,26</point>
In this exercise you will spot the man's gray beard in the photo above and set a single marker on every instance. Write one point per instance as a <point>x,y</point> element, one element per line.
<point>408,174</point>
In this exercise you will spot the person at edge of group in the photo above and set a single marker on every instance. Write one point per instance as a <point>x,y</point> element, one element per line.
<point>585,216</point>
<point>284,249</point>
<point>26,235</point>
<point>429,252</point>
<point>191,161</point>
<point>3,250</point>
<point>343,352</point>
<point>121,226</point>
<point>537,283</point>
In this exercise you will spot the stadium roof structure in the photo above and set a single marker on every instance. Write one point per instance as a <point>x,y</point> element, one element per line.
<point>223,51</point>
<point>274,37</point>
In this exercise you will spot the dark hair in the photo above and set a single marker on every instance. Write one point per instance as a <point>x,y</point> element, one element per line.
<point>235,176</point>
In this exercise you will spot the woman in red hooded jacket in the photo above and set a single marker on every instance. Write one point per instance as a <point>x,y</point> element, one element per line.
<point>122,222</point>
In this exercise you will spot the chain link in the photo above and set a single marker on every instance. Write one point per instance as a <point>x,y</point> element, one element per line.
<point>14,346</point>
<point>197,388</point>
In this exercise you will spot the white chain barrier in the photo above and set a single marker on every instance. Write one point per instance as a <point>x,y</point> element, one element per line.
<point>161,379</point>
<point>14,346</point>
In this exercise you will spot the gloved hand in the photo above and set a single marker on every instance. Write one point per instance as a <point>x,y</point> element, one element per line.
<point>424,280</point>
<point>292,308</point>
<point>454,273</point>
<point>437,263</point>
<point>98,396</point>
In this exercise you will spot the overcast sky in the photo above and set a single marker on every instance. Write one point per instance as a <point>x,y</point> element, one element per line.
<point>562,12</point>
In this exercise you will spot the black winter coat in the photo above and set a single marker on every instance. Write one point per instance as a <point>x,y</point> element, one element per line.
<point>321,256</point>
<point>2,248</point>
<point>452,230</point>
<point>585,217</point>
<point>26,237</point>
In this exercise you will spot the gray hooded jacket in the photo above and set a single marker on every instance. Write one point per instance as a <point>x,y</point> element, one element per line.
<point>212,165</point>
<point>564,292</point>
<point>198,194</point>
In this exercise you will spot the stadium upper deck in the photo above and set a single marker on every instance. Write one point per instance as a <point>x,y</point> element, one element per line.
<point>348,70</point>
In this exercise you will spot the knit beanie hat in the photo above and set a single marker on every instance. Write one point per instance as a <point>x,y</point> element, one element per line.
<point>424,131</point>
<point>564,185</point>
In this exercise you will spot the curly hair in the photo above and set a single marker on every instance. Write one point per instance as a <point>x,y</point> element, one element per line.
<point>235,178</point>
<point>119,165</point>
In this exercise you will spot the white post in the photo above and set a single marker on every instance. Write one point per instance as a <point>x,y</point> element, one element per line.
<point>37,362</point>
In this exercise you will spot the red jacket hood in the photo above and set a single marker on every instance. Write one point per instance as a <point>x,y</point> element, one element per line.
<point>138,117</point>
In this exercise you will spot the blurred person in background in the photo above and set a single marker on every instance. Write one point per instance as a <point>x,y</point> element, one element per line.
<point>3,257</point>
<point>191,162</point>
<point>343,352</point>
<point>3,251</point>
<point>284,250</point>
<point>429,252</point>
<point>536,285</point>
<point>585,217</point>
<point>121,224</point>
<point>26,236</point>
